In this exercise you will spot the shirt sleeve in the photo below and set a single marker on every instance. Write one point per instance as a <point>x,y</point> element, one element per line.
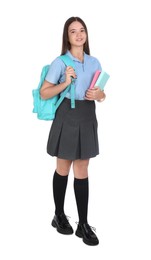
<point>56,72</point>
<point>98,64</point>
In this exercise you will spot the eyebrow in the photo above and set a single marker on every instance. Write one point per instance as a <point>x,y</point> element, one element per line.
<point>75,29</point>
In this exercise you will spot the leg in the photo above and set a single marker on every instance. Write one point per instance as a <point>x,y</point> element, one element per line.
<point>60,180</point>
<point>80,168</point>
<point>81,188</point>
<point>63,166</point>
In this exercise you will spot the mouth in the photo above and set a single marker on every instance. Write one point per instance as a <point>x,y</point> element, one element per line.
<point>79,40</point>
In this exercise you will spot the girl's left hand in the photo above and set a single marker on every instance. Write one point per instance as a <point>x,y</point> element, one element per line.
<point>95,94</point>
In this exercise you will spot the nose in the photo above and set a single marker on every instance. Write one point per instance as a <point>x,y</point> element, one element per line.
<point>79,33</point>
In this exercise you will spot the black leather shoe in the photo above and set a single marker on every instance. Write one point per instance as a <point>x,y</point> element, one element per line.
<point>62,224</point>
<point>85,231</point>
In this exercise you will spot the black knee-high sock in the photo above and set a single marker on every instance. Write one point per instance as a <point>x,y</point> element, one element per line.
<point>59,190</point>
<point>81,189</point>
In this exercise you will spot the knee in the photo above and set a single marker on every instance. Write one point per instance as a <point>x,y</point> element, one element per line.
<point>80,168</point>
<point>63,166</point>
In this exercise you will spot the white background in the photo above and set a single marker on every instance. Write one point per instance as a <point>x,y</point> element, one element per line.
<point>119,205</point>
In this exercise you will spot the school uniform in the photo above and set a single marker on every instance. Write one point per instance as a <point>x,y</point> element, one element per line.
<point>73,134</point>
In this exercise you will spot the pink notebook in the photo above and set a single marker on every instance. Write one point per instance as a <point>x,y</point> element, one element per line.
<point>95,77</point>
<point>100,79</point>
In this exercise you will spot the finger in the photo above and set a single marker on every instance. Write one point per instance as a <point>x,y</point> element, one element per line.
<point>87,98</point>
<point>69,67</point>
<point>90,91</point>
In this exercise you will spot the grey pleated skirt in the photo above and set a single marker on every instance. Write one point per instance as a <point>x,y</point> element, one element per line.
<point>73,134</point>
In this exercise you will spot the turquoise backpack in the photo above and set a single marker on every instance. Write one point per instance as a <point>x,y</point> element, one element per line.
<point>46,109</point>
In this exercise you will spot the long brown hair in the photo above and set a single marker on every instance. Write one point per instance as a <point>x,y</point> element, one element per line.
<point>65,40</point>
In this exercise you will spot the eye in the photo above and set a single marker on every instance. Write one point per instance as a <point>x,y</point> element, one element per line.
<point>73,31</point>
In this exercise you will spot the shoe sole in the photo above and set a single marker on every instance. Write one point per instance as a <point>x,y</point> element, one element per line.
<point>60,230</point>
<point>79,234</point>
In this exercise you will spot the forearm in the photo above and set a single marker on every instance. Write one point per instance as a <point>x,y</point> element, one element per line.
<point>50,91</point>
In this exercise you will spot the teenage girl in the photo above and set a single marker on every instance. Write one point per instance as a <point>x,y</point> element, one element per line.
<point>73,137</point>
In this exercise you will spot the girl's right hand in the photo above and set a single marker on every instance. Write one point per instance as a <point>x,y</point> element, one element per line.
<point>70,73</point>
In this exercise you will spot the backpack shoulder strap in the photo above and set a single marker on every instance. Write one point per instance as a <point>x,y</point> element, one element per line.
<point>43,75</point>
<point>69,62</point>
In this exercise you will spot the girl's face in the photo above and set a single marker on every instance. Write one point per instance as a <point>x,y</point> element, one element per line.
<point>76,34</point>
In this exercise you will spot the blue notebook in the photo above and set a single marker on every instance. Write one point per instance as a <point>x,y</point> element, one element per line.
<point>102,80</point>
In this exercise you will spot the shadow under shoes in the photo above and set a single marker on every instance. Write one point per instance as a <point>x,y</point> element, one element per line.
<point>62,224</point>
<point>85,232</point>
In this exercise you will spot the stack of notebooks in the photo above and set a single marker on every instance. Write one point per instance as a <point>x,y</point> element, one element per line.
<point>100,79</point>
